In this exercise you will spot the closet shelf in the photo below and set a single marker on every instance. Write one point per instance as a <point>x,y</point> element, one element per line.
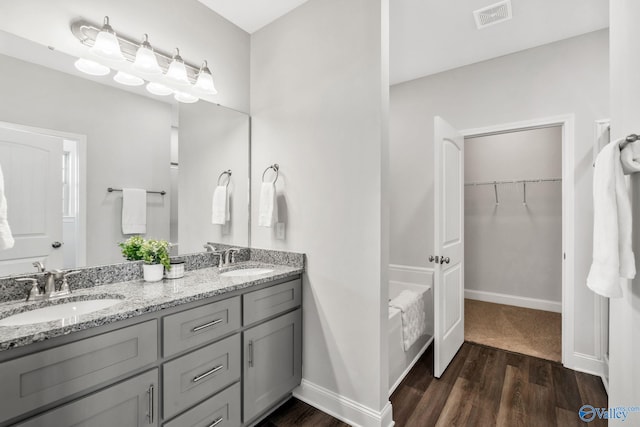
<point>520,181</point>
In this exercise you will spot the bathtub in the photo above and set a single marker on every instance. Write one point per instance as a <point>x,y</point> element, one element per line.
<point>400,361</point>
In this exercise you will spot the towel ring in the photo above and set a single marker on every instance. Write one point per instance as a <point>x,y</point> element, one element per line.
<point>275,168</point>
<point>228,173</point>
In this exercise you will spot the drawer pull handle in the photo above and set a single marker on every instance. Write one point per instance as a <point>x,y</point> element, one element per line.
<point>216,422</point>
<point>251,354</point>
<point>151,408</point>
<point>206,374</point>
<point>206,325</point>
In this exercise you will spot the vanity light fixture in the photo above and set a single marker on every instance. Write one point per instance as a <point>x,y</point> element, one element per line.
<point>128,79</point>
<point>204,81</point>
<point>92,68</point>
<point>106,45</point>
<point>146,61</point>
<point>138,63</point>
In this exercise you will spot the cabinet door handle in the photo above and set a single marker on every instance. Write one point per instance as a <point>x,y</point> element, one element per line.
<point>206,325</point>
<point>206,374</point>
<point>251,354</point>
<point>216,422</point>
<point>151,408</point>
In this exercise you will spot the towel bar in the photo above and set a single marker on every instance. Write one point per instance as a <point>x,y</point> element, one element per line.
<point>228,173</point>
<point>162,193</point>
<point>276,168</point>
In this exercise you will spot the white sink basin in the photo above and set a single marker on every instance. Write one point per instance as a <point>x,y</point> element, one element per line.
<point>242,272</point>
<point>67,312</point>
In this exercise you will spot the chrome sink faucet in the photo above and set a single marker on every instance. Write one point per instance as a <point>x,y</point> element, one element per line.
<point>230,255</point>
<point>49,290</point>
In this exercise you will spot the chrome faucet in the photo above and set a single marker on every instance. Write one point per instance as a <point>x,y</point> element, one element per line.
<point>209,247</point>
<point>229,255</point>
<point>39,266</point>
<point>49,290</point>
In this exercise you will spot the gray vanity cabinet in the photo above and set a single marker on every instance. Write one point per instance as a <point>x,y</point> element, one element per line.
<point>132,403</point>
<point>272,364</point>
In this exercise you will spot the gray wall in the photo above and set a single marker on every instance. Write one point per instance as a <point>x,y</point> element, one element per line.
<point>127,143</point>
<point>569,76</point>
<point>318,93</point>
<point>511,248</point>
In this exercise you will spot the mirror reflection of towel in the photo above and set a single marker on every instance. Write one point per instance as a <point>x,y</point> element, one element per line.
<point>6,238</point>
<point>134,211</point>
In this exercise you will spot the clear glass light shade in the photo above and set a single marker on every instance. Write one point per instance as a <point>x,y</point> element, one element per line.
<point>186,98</point>
<point>107,46</point>
<point>146,61</point>
<point>127,79</point>
<point>158,89</point>
<point>91,67</point>
<point>204,83</point>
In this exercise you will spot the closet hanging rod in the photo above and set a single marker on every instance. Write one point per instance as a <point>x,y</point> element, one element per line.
<point>162,193</point>
<point>520,181</point>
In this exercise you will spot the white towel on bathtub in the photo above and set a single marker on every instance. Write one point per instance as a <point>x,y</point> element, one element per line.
<point>411,305</point>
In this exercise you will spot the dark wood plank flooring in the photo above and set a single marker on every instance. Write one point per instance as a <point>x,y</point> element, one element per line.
<point>483,387</point>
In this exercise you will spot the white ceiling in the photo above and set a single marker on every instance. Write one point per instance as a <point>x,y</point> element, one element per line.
<point>430,36</point>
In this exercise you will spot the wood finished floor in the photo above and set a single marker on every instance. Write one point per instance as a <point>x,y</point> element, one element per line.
<point>482,387</point>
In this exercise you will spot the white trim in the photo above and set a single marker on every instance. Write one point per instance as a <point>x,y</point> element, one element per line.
<point>587,363</point>
<point>567,121</point>
<point>496,298</point>
<point>413,362</point>
<point>400,267</point>
<point>343,408</point>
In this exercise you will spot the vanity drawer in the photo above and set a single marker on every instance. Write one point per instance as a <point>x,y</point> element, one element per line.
<point>200,325</point>
<point>35,380</point>
<point>268,302</point>
<point>222,410</point>
<point>200,374</point>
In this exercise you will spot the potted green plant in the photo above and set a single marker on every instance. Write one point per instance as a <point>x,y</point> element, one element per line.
<point>153,253</point>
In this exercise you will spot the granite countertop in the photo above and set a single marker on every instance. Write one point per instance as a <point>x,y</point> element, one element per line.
<point>138,298</point>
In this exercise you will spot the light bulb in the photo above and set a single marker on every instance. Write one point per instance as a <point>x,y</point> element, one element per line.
<point>146,61</point>
<point>107,45</point>
<point>204,82</point>
<point>186,98</point>
<point>91,67</point>
<point>177,72</point>
<point>158,89</point>
<point>127,79</point>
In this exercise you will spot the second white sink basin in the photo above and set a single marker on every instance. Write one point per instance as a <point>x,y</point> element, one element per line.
<point>66,312</point>
<point>246,272</point>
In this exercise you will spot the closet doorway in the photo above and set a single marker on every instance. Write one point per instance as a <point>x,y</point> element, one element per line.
<point>516,236</point>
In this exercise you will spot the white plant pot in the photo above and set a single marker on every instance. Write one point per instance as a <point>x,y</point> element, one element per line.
<point>152,272</point>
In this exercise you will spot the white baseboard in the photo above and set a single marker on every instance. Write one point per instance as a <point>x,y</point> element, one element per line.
<point>343,408</point>
<point>538,304</point>
<point>587,364</point>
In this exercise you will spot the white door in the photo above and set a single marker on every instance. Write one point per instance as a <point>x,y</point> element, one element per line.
<point>32,168</point>
<point>449,244</point>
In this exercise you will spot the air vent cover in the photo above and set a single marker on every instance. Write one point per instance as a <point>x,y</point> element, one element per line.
<point>494,14</point>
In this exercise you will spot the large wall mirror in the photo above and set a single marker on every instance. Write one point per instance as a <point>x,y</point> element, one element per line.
<point>65,140</point>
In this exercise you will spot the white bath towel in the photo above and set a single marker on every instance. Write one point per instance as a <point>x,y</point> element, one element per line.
<point>220,213</point>
<point>613,257</point>
<point>630,157</point>
<point>268,211</point>
<point>134,211</point>
<point>411,305</point>
<point>6,238</point>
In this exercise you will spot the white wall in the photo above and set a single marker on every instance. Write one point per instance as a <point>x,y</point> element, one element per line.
<point>624,331</point>
<point>567,77</point>
<point>513,249</point>
<point>199,32</point>
<point>319,88</point>
<point>212,139</point>
<point>127,143</point>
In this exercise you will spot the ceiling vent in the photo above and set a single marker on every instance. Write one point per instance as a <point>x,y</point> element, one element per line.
<point>493,14</point>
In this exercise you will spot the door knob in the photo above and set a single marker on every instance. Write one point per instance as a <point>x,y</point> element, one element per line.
<point>56,245</point>
<point>434,258</point>
<point>444,260</point>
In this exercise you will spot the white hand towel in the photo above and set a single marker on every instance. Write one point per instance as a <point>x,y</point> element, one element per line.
<point>6,238</point>
<point>220,213</point>
<point>630,156</point>
<point>413,316</point>
<point>612,252</point>
<point>268,211</point>
<point>134,211</point>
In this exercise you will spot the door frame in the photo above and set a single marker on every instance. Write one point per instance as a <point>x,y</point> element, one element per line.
<point>81,140</point>
<point>567,124</point>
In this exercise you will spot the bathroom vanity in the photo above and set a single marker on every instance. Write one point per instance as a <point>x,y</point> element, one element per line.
<point>205,350</point>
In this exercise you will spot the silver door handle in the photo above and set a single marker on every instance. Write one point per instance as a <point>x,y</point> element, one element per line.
<point>206,325</point>
<point>206,374</point>
<point>151,408</point>
<point>444,260</point>
<point>216,422</point>
<point>250,354</point>
<point>434,258</point>
<point>56,245</point>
